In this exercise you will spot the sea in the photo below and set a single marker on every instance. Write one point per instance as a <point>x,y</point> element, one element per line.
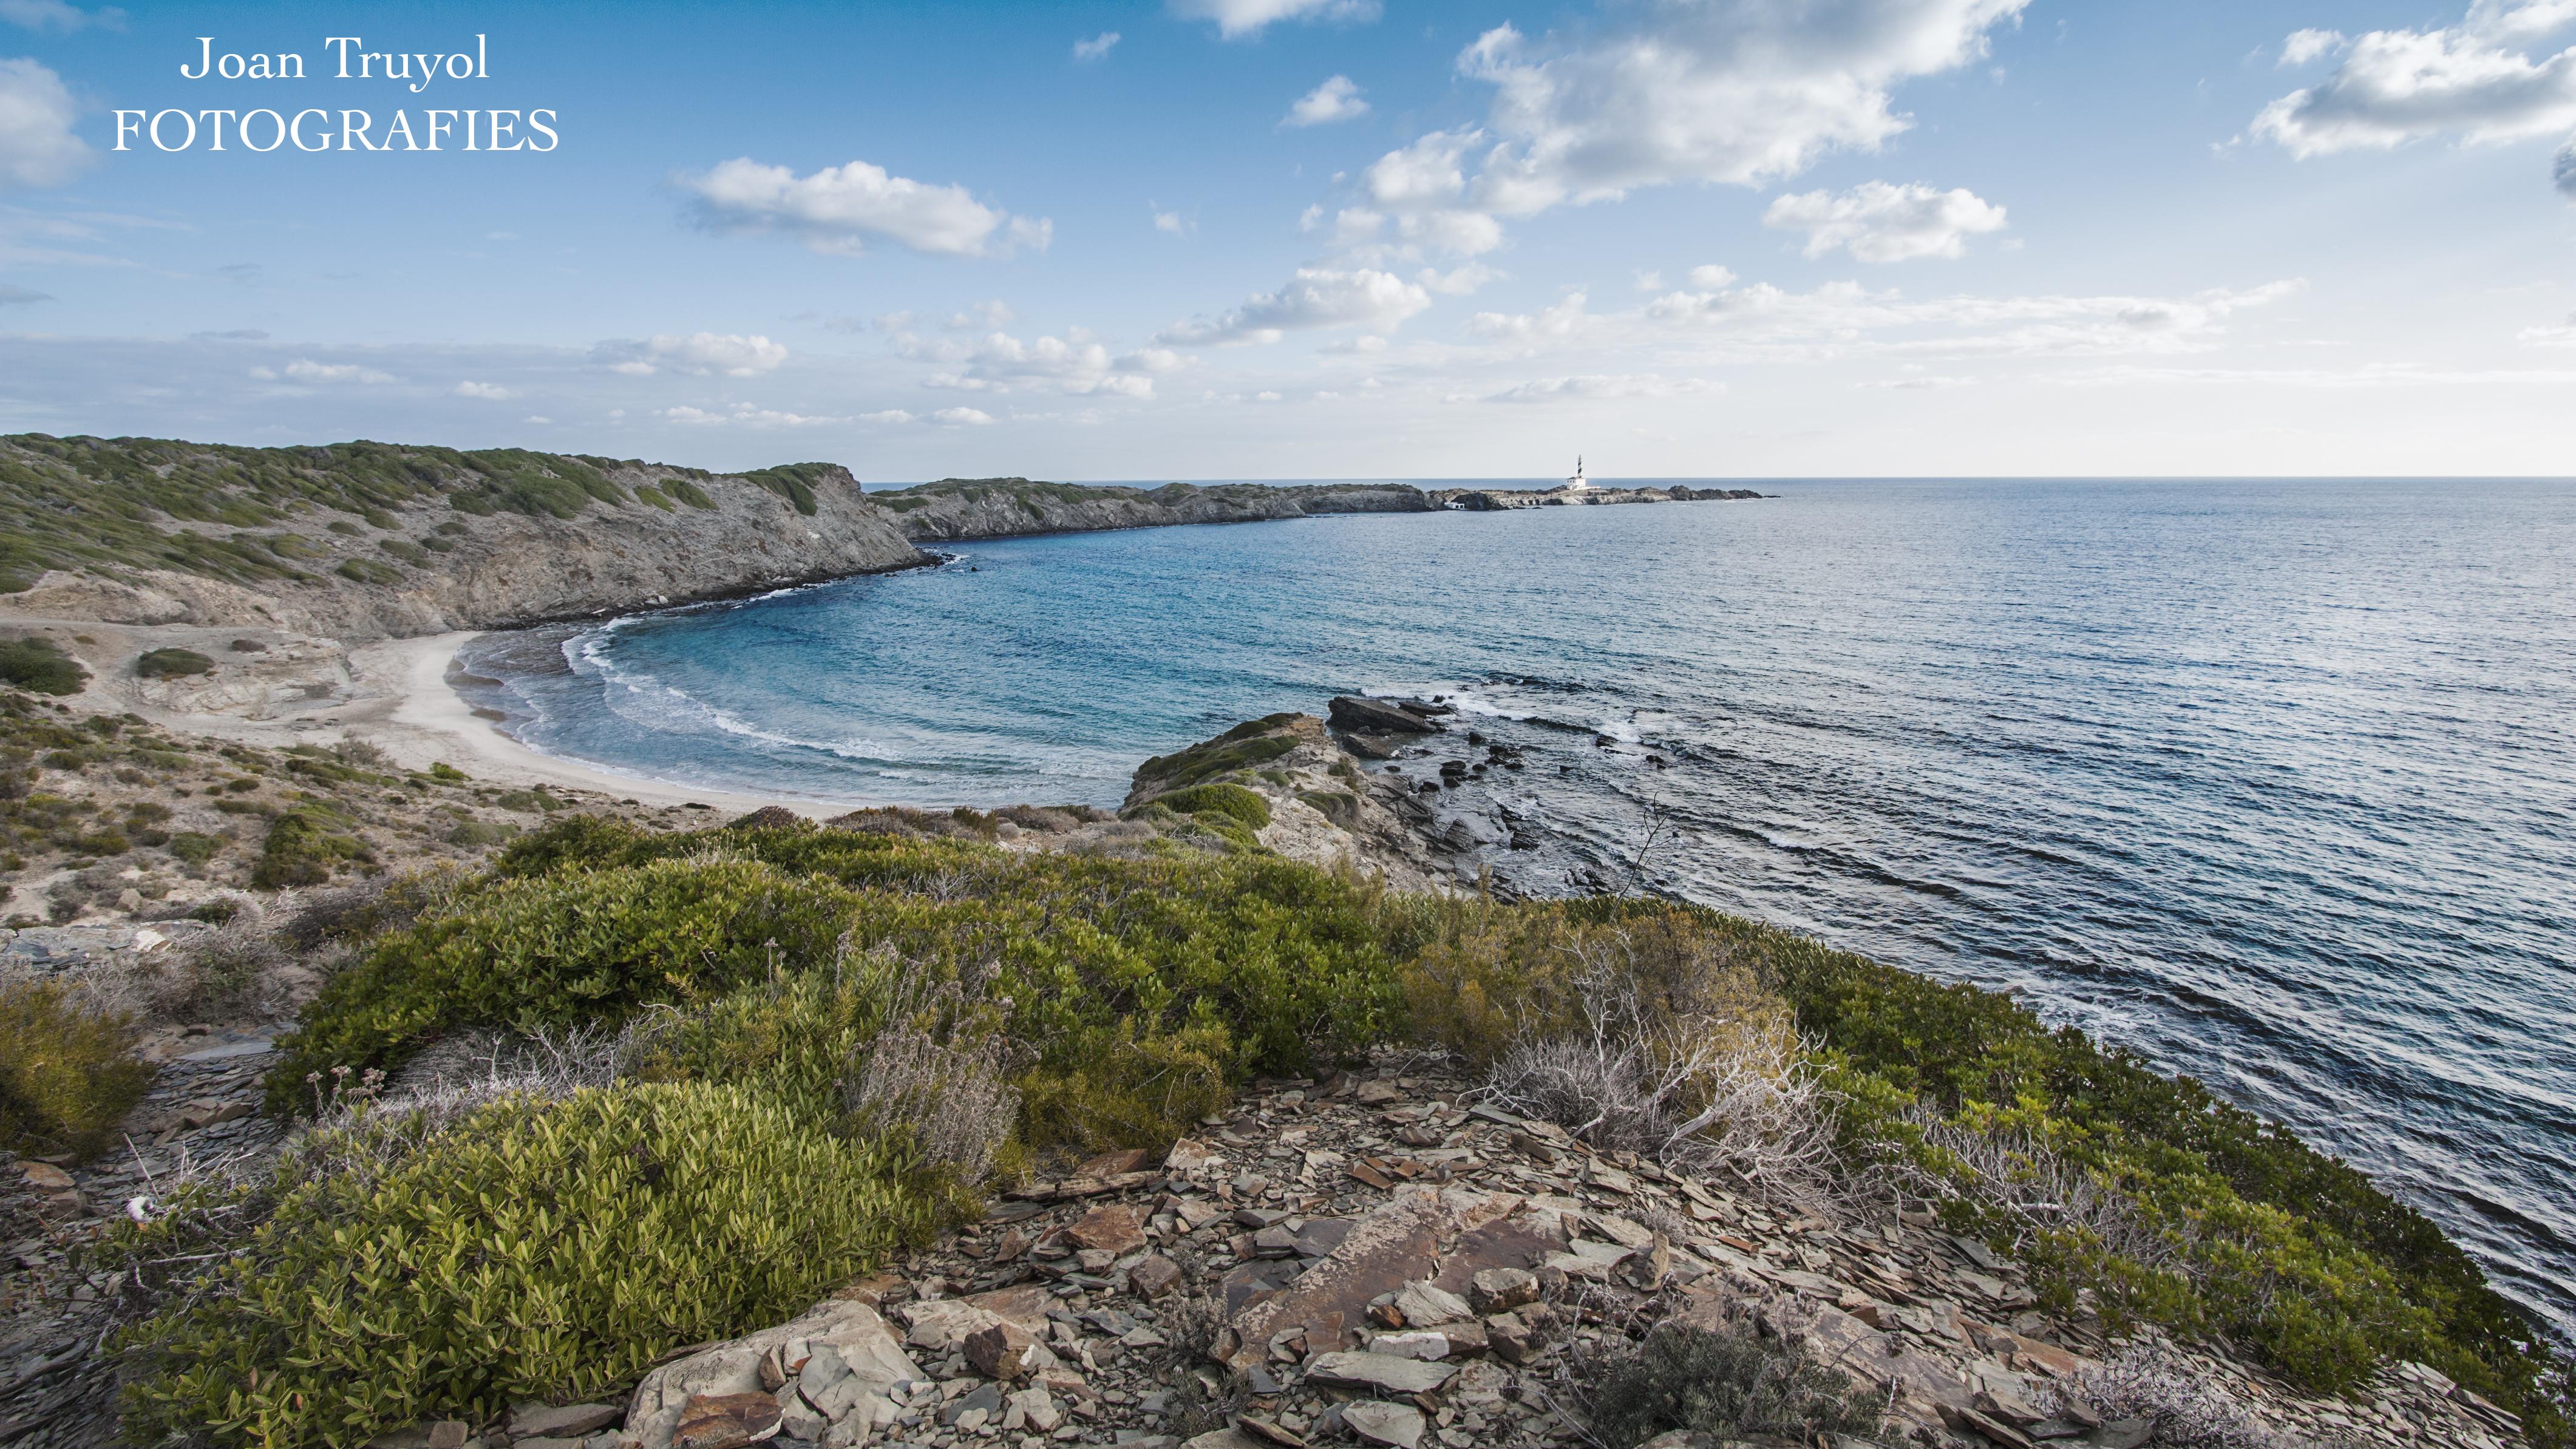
<point>2273,782</point>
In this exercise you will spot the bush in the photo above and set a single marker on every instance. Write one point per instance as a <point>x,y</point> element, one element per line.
<point>172,663</point>
<point>560,951</point>
<point>1729,1382</point>
<point>195,848</point>
<point>68,1074</point>
<point>536,1249</point>
<point>302,848</point>
<point>40,666</point>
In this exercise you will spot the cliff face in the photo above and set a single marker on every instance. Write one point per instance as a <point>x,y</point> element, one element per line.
<point>364,541</point>
<point>964,508</point>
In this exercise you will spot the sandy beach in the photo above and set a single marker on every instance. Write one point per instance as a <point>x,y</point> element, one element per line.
<point>295,689</point>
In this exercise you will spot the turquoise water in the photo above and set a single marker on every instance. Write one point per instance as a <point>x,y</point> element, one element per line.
<point>2273,782</point>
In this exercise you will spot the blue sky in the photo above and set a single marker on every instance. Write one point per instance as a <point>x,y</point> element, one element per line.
<point>1320,238</point>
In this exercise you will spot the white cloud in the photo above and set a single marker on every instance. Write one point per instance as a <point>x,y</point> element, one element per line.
<point>748,415</point>
<point>896,416</point>
<point>534,418</point>
<point>1096,47</point>
<point>1878,222</point>
<point>1337,99</point>
<point>982,315</point>
<point>2563,170</point>
<point>966,417</point>
<point>1460,281</point>
<point>37,147</point>
<point>842,209</point>
<point>1238,18</point>
<point>1317,297</point>
<point>2304,46</point>
<point>489,392</point>
<point>2472,81</point>
<point>1594,387</point>
<point>1170,221</point>
<point>1073,365</point>
<point>304,370</point>
<point>702,353</point>
<point>1712,277</point>
<point>2564,336</point>
<point>55,15</point>
<point>1763,323</point>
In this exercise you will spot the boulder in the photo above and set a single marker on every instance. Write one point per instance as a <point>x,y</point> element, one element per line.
<point>1399,1243</point>
<point>560,1421</point>
<point>1351,713</point>
<point>1000,1350</point>
<point>653,1414</point>
<point>1154,1277</point>
<point>1497,1290</point>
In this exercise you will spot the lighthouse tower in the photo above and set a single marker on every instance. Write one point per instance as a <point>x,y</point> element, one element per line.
<point>1578,483</point>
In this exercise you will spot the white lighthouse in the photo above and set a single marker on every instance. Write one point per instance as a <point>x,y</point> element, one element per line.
<point>1578,483</point>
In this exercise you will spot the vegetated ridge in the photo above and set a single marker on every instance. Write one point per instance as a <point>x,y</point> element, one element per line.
<point>368,540</point>
<point>967,508</point>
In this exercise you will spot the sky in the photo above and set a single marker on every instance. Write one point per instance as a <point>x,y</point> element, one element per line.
<point>1312,238</point>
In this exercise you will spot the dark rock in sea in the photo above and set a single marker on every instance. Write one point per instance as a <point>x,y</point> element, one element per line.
<point>1370,746</point>
<point>1352,714</point>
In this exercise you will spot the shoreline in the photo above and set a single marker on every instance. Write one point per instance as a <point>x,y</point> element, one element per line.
<point>424,720</point>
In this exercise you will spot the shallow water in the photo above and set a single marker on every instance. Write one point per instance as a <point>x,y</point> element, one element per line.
<point>2273,782</point>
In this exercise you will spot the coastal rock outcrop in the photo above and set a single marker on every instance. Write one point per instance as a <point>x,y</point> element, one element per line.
<point>967,508</point>
<point>1299,793</point>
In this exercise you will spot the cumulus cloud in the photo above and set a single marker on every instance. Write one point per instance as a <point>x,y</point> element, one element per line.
<point>982,315</point>
<point>1171,222</point>
<point>1073,365</point>
<point>1459,281</point>
<point>56,15</point>
<point>700,353</point>
<point>2562,336</point>
<point>1878,222</point>
<point>1337,99</point>
<point>1096,47</point>
<point>1737,94</point>
<point>1238,18</point>
<point>2564,170</point>
<point>1317,297</point>
<point>2304,46</point>
<point>843,210</point>
<point>1711,277</point>
<point>489,392</point>
<point>962,417</point>
<point>37,147</point>
<point>1594,387</point>
<point>2475,81</point>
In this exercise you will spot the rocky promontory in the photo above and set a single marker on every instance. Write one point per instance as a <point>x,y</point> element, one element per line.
<point>363,541</point>
<point>966,508</point>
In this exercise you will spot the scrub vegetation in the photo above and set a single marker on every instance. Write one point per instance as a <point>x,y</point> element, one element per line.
<point>842,1037</point>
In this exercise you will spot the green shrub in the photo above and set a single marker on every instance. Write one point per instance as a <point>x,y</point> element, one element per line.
<point>1231,801</point>
<point>172,663</point>
<point>39,665</point>
<point>368,571</point>
<point>557,951</point>
<point>68,1075</point>
<point>1729,1382</point>
<point>302,847</point>
<point>549,1250</point>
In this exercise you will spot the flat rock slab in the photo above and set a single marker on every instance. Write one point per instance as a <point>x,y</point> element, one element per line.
<point>1351,713</point>
<point>1379,1372</point>
<point>1398,1426</point>
<point>1118,1229</point>
<point>1397,1244</point>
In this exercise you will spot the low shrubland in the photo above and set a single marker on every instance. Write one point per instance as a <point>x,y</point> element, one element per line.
<point>68,1072</point>
<point>1728,1380</point>
<point>923,1010</point>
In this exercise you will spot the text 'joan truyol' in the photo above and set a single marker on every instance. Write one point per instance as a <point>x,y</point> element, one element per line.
<point>314,128</point>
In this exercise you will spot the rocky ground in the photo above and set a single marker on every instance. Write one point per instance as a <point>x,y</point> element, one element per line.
<point>1375,1258</point>
<point>958,509</point>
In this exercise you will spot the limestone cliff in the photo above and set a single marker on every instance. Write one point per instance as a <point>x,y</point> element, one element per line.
<point>964,508</point>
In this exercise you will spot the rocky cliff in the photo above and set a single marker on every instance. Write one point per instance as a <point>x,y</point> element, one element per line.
<point>963,508</point>
<point>364,540</point>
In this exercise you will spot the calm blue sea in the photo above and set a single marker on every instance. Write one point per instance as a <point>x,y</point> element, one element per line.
<point>2274,782</point>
